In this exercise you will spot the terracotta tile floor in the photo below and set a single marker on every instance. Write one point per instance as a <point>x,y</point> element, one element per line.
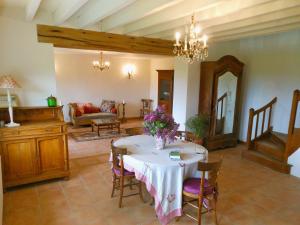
<point>249,195</point>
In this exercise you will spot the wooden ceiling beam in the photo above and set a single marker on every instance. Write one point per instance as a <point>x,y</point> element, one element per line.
<point>85,39</point>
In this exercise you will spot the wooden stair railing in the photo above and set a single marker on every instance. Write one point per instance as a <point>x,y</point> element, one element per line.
<point>293,140</point>
<point>219,123</point>
<point>256,114</point>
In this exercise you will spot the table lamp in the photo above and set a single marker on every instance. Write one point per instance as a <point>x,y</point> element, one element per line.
<point>7,82</point>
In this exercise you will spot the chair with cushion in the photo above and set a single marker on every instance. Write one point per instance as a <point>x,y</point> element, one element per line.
<point>120,174</point>
<point>203,192</point>
<point>188,136</point>
<point>146,107</point>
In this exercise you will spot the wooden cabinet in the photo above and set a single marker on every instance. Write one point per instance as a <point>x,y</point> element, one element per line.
<point>165,89</point>
<point>220,96</point>
<point>35,151</point>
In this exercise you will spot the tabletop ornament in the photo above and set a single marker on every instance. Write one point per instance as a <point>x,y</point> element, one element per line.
<point>160,125</point>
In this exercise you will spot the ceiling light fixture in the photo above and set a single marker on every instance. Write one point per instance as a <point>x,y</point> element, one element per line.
<point>194,46</point>
<point>100,65</point>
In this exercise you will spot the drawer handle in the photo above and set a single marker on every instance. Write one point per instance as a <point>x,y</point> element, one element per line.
<point>49,130</point>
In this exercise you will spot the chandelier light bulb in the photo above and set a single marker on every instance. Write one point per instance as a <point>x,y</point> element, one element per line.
<point>177,37</point>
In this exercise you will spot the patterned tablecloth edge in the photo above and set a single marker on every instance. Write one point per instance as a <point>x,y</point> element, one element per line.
<point>164,219</point>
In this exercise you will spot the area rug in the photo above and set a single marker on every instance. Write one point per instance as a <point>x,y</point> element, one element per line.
<point>91,136</point>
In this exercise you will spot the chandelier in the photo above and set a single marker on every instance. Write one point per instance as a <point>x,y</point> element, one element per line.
<point>100,65</point>
<point>194,46</point>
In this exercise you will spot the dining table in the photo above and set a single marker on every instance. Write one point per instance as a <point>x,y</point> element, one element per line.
<point>163,176</point>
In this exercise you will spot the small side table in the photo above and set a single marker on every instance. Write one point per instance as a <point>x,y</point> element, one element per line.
<point>123,119</point>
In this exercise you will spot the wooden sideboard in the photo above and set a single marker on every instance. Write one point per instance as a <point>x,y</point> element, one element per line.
<point>38,149</point>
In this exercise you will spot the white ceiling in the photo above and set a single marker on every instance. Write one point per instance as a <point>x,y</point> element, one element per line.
<point>220,19</point>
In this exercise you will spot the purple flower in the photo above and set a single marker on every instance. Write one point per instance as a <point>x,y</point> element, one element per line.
<point>160,124</point>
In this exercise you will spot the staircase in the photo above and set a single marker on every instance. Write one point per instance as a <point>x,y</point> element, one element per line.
<point>268,147</point>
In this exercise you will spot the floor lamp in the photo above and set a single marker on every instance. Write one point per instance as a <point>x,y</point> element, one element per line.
<point>7,82</point>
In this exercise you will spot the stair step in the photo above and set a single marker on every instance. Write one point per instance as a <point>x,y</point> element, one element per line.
<point>270,149</point>
<point>266,161</point>
<point>279,137</point>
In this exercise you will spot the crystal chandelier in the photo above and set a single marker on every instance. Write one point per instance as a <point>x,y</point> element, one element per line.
<point>194,46</point>
<point>101,65</point>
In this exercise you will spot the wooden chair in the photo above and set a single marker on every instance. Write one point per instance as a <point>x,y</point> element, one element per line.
<point>120,174</point>
<point>146,107</point>
<point>203,191</point>
<point>134,131</point>
<point>188,136</point>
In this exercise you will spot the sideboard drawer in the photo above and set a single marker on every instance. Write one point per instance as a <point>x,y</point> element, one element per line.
<point>33,131</point>
<point>44,130</point>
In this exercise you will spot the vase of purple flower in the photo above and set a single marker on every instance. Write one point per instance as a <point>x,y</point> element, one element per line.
<point>160,125</point>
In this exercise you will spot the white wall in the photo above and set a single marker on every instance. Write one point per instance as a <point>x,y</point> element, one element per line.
<point>166,63</point>
<point>29,62</point>
<point>78,81</point>
<point>271,69</point>
<point>186,91</point>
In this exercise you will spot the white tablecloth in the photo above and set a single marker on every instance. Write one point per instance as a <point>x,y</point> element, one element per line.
<point>163,177</point>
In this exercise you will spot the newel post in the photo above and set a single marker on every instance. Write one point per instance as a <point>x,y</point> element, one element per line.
<point>250,126</point>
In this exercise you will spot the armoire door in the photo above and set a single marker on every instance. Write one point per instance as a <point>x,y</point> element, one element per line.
<point>165,89</point>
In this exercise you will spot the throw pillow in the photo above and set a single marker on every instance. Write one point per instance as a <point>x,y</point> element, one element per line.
<point>80,108</point>
<point>114,110</point>
<point>77,112</point>
<point>95,109</point>
<point>107,105</point>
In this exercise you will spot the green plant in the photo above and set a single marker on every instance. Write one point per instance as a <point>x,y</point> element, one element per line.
<point>198,125</point>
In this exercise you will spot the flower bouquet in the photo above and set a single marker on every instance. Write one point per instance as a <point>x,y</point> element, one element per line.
<point>160,125</point>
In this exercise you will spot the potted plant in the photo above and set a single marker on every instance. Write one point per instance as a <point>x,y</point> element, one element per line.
<point>198,125</point>
<point>161,126</point>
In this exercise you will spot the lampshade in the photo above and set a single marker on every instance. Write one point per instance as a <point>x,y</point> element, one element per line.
<point>7,81</point>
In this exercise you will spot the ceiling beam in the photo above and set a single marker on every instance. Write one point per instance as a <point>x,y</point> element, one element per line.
<point>85,39</point>
<point>96,10</point>
<point>135,11</point>
<point>258,27</point>
<point>278,16</point>
<point>269,31</point>
<point>232,9</point>
<point>264,12</point>
<point>66,9</point>
<point>179,10</point>
<point>32,8</point>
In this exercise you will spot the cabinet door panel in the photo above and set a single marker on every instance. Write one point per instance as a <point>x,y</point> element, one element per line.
<point>19,159</point>
<point>51,154</point>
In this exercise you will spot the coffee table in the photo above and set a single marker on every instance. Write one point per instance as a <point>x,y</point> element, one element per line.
<point>108,123</point>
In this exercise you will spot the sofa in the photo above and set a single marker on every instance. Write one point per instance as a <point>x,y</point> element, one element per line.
<point>83,113</point>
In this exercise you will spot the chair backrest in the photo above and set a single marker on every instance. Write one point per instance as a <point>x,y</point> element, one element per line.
<point>210,169</point>
<point>187,136</point>
<point>134,131</point>
<point>117,156</point>
<point>147,103</point>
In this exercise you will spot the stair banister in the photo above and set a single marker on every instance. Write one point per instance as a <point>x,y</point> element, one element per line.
<point>255,113</point>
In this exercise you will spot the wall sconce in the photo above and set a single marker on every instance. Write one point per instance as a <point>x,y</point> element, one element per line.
<point>129,70</point>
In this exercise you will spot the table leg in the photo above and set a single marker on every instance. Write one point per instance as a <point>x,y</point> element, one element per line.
<point>92,127</point>
<point>119,131</point>
<point>99,131</point>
